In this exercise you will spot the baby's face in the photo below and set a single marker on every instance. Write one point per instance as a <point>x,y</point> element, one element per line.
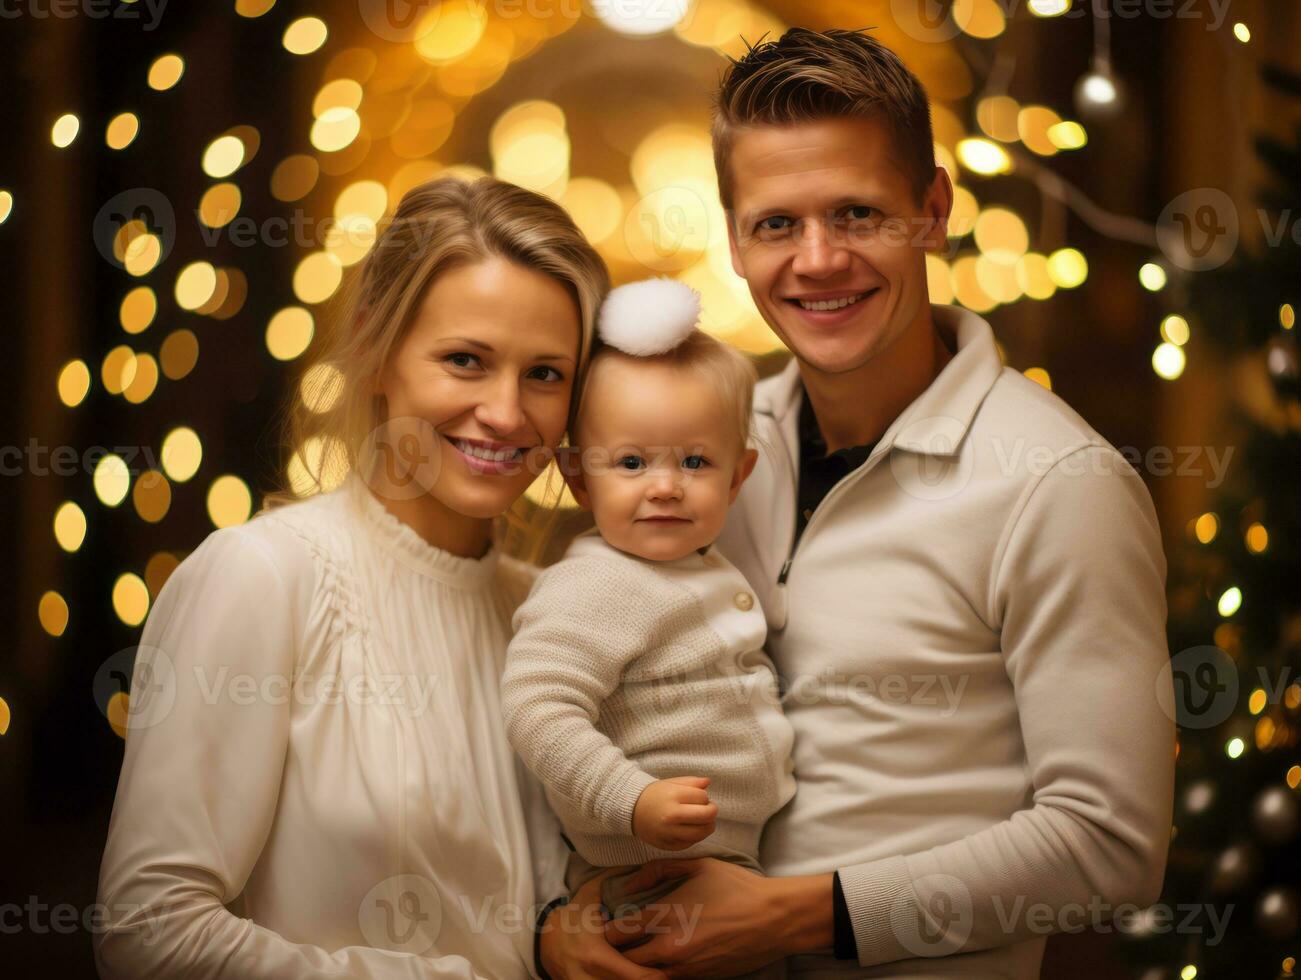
<point>660,461</point>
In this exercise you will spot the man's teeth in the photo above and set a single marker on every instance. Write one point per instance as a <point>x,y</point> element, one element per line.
<point>496,456</point>
<point>831,304</point>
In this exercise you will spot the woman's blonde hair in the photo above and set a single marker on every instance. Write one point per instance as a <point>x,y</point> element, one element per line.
<point>437,226</point>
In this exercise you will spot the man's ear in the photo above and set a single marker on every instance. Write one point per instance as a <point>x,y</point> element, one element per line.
<point>937,206</point>
<point>567,461</point>
<point>742,473</point>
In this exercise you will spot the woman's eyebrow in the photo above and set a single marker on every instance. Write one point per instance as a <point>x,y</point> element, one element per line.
<point>471,342</point>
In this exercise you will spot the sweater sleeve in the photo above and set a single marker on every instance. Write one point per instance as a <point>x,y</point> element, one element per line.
<point>583,623</point>
<point>200,782</point>
<point>1079,592</point>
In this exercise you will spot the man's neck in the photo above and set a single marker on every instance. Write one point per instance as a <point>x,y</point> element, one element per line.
<point>856,407</point>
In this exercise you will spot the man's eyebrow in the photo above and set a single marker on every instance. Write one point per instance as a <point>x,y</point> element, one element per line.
<point>471,342</point>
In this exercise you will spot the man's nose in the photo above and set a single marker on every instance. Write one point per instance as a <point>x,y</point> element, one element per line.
<point>819,254</point>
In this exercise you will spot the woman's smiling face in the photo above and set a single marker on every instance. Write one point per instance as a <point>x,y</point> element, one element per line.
<point>478,389</point>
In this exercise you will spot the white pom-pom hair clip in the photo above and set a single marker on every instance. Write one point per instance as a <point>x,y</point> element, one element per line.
<point>648,317</point>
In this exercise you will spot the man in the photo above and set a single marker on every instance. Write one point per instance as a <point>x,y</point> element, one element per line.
<point>964,583</point>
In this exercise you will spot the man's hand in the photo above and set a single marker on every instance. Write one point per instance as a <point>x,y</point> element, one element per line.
<point>573,944</point>
<point>723,920</point>
<point>672,814</point>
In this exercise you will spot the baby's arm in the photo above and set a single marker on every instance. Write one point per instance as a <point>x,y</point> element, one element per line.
<point>574,636</point>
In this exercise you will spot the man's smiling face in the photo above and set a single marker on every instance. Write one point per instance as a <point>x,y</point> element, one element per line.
<point>829,235</point>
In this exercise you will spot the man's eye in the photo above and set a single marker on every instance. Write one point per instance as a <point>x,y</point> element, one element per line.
<point>630,462</point>
<point>694,462</point>
<point>861,212</point>
<point>775,225</point>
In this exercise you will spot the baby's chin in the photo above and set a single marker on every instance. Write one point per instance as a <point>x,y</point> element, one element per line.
<point>655,544</point>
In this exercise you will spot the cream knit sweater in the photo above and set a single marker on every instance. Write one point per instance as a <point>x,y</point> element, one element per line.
<point>623,671</point>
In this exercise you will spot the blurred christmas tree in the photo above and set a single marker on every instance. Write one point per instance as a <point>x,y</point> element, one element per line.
<point>1235,628</point>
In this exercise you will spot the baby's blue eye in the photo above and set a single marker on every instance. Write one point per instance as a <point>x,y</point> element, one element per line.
<point>630,462</point>
<point>694,462</point>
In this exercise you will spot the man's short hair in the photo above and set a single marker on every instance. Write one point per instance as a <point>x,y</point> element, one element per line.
<point>808,75</point>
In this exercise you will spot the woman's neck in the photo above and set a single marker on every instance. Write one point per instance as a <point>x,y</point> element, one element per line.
<point>467,537</point>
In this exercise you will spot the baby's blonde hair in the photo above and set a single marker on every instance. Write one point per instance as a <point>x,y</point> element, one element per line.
<point>728,372</point>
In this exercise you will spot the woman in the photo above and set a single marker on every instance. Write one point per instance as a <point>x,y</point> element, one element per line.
<point>317,781</point>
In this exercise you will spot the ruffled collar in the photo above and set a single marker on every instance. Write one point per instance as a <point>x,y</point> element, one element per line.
<point>413,551</point>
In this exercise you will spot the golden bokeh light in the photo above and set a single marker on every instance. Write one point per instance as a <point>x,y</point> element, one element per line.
<point>130,599</point>
<point>118,369</point>
<point>967,288</point>
<point>1151,277</point>
<point>52,611</point>
<point>69,526</point>
<point>996,116</point>
<point>1032,124</point>
<point>121,131</point>
<point>112,480</point>
<point>1256,538</point>
<point>152,496</point>
<point>996,275</point>
<point>158,570</point>
<point>142,254</point>
<point>1175,329</point>
<point>368,198</point>
<point>979,18</point>
<point>143,380</point>
<point>118,713</point>
<point>939,284</point>
<point>981,156</point>
<point>219,204</point>
<point>342,92</point>
<point>64,130</point>
<point>962,219</point>
<point>335,129</point>
<point>223,156</point>
<point>195,285</point>
<point>1168,361</point>
<point>1206,527</point>
<point>1033,277</point>
<point>294,177</point>
<point>138,309</point>
<point>1068,267</point>
<point>320,457</point>
<point>182,453</point>
<point>1067,135</point>
<point>595,207</point>
<point>1039,376</point>
<point>179,354</point>
<point>165,72</point>
<point>450,30</point>
<point>305,35</point>
<point>6,206</point>
<point>253,8</point>
<point>1001,234</point>
<point>289,333</point>
<point>317,277</point>
<point>74,383</point>
<point>229,501</point>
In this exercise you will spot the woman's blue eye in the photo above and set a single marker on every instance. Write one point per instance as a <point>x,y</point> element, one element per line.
<point>635,462</point>
<point>694,462</point>
<point>558,375</point>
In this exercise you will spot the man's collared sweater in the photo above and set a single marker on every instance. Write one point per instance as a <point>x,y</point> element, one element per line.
<point>624,671</point>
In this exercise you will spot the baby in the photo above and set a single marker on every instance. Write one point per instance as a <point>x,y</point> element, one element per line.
<point>636,687</point>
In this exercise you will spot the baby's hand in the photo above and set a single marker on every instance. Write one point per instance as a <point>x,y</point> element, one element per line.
<point>672,814</point>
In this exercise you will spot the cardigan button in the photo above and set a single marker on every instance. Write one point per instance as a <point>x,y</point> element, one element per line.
<point>744,601</point>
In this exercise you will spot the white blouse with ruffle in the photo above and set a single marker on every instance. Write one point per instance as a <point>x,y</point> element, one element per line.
<point>317,782</point>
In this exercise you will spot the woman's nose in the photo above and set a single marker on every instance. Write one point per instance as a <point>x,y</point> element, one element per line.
<point>500,409</point>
